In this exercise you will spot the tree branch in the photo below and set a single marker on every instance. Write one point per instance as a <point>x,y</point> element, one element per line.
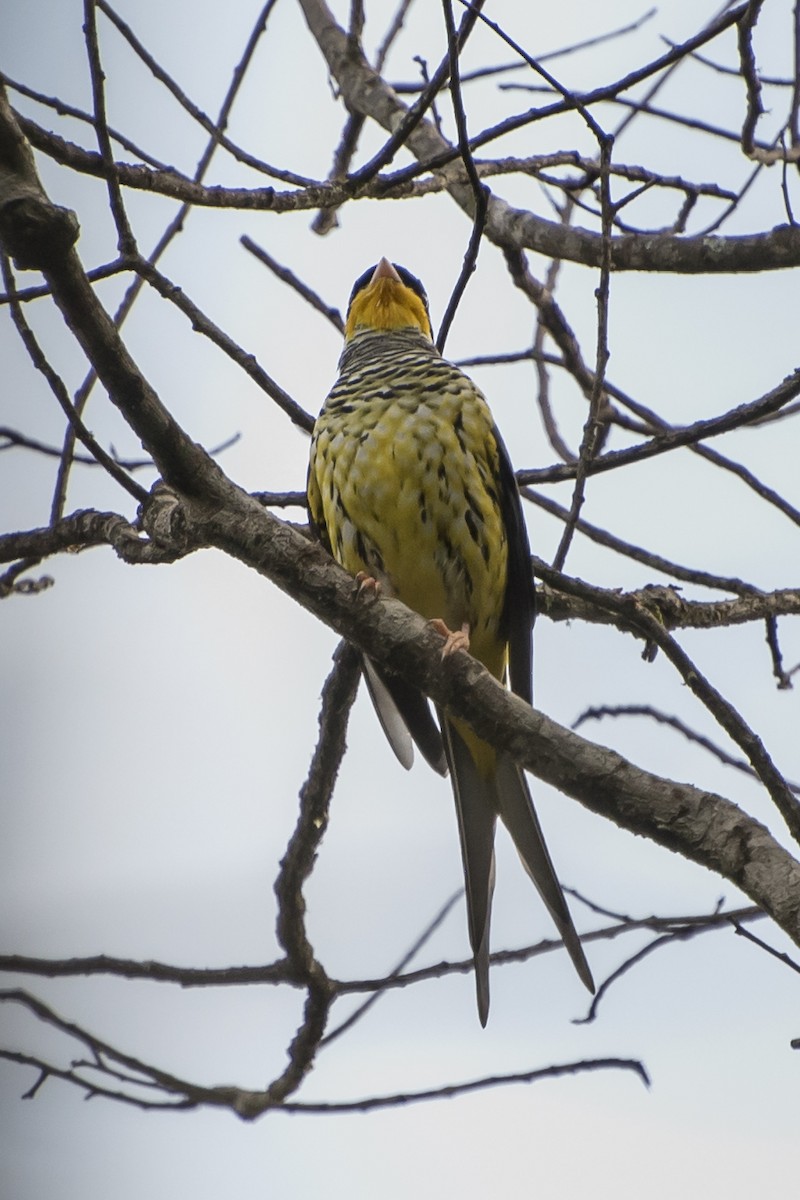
<point>213,511</point>
<point>364,91</point>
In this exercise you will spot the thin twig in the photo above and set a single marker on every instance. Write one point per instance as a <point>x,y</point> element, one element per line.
<point>414,115</point>
<point>205,326</point>
<point>735,418</point>
<point>757,941</point>
<point>327,219</point>
<point>59,390</point>
<point>479,190</point>
<point>286,276</point>
<point>215,129</point>
<point>649,558</point>
<point>593,429</point>
<point>175,226</point>
<point>476,1085</point>
<point>126,242</point>
<point>749,72</point>
<point>408,957</point>
<point>598,712</point>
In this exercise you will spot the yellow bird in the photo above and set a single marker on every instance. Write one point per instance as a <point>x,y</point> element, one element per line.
<point>410,486</point>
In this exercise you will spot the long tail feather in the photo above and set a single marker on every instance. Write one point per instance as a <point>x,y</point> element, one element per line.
<point>519,816</point>
<point>475,806</point>
<point>406,718</point>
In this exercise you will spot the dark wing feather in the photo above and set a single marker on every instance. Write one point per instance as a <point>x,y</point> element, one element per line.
<point>519,608</point>
<point>319,529</point>
<point>514,800</point>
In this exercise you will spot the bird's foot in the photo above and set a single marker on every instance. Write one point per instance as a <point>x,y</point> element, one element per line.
<point>366,587</point>
<point>453,640</point>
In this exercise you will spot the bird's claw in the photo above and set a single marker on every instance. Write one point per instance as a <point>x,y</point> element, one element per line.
<point>366,586</point>
<point>453,639</point>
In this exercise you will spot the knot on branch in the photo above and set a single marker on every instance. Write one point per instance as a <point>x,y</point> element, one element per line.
<point>35,232</point>
<point>127,540</point>
<point>167,518</point>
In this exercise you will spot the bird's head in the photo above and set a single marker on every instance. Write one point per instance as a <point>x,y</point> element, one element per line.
<point>385,298</point>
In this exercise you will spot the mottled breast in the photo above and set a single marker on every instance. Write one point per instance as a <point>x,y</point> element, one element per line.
<point>404,479</point>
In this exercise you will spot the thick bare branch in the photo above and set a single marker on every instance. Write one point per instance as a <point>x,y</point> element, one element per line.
<point>212,511</point>
<point>509,227</point>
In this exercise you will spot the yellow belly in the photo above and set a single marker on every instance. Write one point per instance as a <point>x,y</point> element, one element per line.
<point>407,492</point>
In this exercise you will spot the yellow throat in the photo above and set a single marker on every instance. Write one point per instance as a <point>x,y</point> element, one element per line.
<point>387,303</point>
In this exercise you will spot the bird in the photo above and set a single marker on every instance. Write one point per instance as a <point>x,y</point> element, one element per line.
<point>411,490</point>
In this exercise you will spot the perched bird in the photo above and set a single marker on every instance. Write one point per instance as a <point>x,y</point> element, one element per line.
<point>411,489</point>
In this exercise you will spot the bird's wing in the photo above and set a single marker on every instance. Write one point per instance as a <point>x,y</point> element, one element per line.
<point>519,817</point>
<point>404,714</point>
<point>520,599</point>
<point>316,513</point>
<point>513,797</point>
<point>475,807</point>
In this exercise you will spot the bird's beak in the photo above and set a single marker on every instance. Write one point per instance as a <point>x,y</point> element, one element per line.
<point>385,270</point>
